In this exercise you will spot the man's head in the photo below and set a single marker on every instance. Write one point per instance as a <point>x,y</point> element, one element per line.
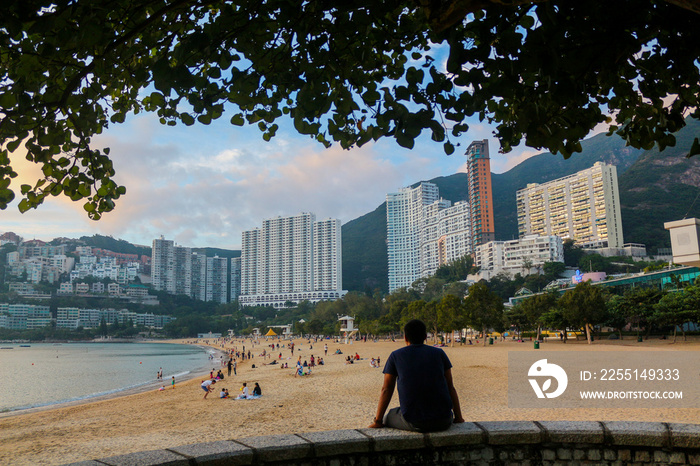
<point>415,332</point>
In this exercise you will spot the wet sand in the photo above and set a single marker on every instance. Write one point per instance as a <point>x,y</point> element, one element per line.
<point>335,396</point>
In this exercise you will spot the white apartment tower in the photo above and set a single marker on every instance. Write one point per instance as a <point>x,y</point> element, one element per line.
<point>424,232</point>
<point>404,218</point>
<point>445,235</point>
<point>198,286</point>
<point>183,270</point>
<point>327,253</point>
<point>584,206</point>
<point>163,265</point>
<point>291,259</point>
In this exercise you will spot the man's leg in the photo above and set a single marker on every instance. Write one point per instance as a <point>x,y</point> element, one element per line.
<point>393,418</point>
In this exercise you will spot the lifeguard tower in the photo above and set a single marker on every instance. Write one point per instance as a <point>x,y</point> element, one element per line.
<point>256,333</point>
<point>347,326</point>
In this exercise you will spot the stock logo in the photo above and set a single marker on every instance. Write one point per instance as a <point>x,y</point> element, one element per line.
<point>543,370</point>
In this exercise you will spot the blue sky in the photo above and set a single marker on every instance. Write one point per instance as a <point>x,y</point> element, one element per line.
<point>203,185</point>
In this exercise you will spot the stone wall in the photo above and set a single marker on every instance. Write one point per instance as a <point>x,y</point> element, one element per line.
<point>478,443</point>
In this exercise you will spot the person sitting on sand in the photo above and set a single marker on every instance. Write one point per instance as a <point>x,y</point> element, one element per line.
<point>357,357</point>
<point>244,395</point>
<point>208,386</point>
<point>222,393</point>
<point>257,391</point>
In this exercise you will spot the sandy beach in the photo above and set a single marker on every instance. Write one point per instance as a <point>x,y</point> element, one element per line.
<point>335,396</point>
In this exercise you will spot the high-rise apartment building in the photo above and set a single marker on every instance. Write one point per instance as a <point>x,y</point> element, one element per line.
<point>404,218</point>
<point>199,277</point>
<point>235,278</point>
<point>480,192</point>
<point>163,265</point>
<point>445,235</point>
<point>183,270</point>
<point>217,279</point>
<point>291,259</point>
<point>424,232</point>
<point>584,206</point>
<point>179,270</point>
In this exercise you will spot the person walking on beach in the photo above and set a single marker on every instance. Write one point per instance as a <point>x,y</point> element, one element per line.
<point>427,396</point>
<point>325,349</point>
<point>230,365</point>
<point>173,383</point>
<point>208,386</point>
<point>235,365</point>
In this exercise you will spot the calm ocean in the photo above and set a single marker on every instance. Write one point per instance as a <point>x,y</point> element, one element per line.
<point>45,374</point>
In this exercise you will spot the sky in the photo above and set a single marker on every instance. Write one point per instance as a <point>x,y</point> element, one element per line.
<point>203,185</point>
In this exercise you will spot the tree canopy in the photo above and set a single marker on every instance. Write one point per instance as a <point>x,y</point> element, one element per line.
<point>545,73</point>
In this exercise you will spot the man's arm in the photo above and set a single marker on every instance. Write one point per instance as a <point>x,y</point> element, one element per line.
<point>455,399</point>
<point>384,399</point>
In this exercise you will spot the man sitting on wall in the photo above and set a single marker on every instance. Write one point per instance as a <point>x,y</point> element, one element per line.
<point>427,397</point>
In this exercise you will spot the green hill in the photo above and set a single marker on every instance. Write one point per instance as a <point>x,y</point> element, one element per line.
<point>654,188</point>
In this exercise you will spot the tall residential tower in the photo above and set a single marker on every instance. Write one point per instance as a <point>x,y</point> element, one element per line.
<point>480,193</point>
<point>291,259</point>
<point>584,206</point>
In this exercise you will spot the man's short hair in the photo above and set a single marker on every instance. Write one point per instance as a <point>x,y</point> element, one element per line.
<point>415,331</point>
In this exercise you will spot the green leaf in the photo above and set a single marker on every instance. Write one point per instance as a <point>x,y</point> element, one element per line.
<point>237,120</point>
<point>14,144</point>
<point>187,119</point>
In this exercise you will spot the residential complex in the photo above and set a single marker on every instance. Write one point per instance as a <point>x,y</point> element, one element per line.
<point>424,232</point>
<point>518,256</point>
<point>291,259</point>
<point>217,279</point>
<point>480,192</point>
<point>445,235</point>
<point>31,316</point>
<point>404,219</point>
<point>180,270</point>
<point>584,206</point>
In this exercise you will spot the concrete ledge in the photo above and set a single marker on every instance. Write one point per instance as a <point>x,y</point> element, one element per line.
<point>506,432</point>
<point>513,442</point>
<point>224,452</point>
<point>573,432</point>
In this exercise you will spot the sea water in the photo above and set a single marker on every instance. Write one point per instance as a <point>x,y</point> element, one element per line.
<point>45,374</point>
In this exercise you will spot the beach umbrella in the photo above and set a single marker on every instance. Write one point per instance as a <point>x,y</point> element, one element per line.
<point>270,333</point>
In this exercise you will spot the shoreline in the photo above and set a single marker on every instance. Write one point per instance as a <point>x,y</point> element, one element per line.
<point>144,387</point>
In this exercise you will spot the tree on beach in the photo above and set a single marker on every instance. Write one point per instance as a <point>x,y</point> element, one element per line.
<point>535,306</point>
<point>484,309</point>
<point>543,73</point>
<point>583,306</point>
<point>677,309</point>
<point>450,315</point>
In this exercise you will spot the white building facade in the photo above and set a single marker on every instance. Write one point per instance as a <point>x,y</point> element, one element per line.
<point>445,235</point>
<point>584,206</point>
<point>424,232</point>
<point>404,219</point>
<point>518,256</point>
<point>291,259</point>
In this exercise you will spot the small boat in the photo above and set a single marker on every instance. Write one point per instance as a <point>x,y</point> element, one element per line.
<point>25,346</point>
<point>7,347</point>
